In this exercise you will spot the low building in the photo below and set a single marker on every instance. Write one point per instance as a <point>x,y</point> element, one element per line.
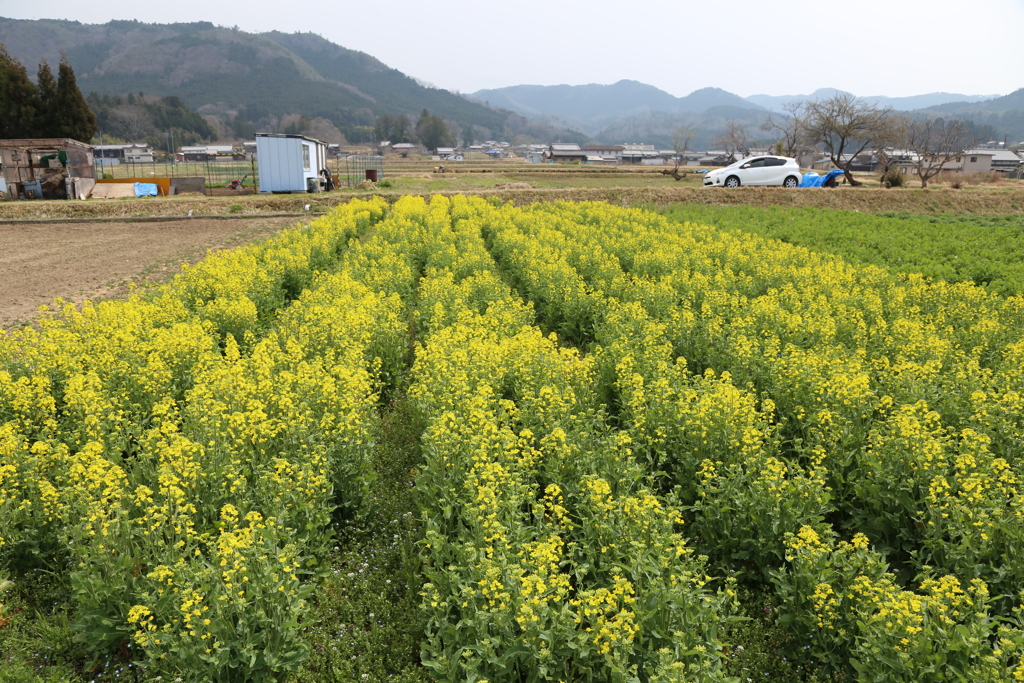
<point>865,162</point>
<point>47,168</point>
<point>633,153</point>
<point>565,152</point>
<point>211,153</point>
<point>1005,161</point>
<point>893,157</point>
<point>609,154</point>
<point>289,163</point>
<point>689,158</point>
<point>112,155</point>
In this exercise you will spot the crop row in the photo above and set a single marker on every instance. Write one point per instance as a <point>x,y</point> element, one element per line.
<point>794,421</point>
<point>546,557</point>
<point>183,480</point>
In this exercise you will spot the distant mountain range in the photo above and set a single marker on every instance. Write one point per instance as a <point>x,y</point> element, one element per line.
<point>262,78</point>
<point>591,107</point>
<point>634,111</point>
<point>277,82</point>
<point>776,102</point>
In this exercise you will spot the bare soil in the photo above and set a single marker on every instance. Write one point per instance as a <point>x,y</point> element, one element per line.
<point>80,261</point>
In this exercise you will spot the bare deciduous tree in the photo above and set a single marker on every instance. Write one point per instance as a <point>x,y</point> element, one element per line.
<point>133,123</point>
<point>936,142</point>
<point>734,140</point>
<point>790,127</point>
<point>845,126</point>
<point>680,144</point>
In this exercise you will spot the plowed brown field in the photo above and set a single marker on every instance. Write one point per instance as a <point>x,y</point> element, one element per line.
<point>79,261</point>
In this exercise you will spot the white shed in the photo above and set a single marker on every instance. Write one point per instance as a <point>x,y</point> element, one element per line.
<point>289,163</point>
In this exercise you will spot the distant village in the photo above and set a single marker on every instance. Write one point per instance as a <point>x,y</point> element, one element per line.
<point>72,169</point>
<point>993,156</point>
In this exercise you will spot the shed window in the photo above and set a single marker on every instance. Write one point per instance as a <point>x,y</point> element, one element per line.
<point>305,157</point>
<point>974,160</point>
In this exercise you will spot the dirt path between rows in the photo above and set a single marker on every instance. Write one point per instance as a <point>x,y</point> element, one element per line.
<point>79,261</point>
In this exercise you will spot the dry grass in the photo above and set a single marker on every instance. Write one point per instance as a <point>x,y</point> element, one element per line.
<point>629,186</point>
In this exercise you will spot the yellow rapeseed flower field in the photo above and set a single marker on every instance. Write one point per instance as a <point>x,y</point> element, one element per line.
<point>623,419</point>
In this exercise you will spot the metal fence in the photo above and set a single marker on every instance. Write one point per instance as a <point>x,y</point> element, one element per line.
<point>217,173</point>
<point>356,167</point>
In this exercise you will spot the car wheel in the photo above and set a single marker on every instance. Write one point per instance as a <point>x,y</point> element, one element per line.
<point>790,182</point>
<point>732,181</point>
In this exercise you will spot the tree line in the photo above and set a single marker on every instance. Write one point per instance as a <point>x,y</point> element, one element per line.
<point>145,118</point>
<point>49,108</point>
<point>431,131</point>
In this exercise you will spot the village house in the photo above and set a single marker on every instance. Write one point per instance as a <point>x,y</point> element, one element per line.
<point>112,155</point>
<point>565,152</point>
<point>210,153</point>
<point>633,153</point>
<point>865,162</point>
<point>606,154</point>
<point>1005,160</point>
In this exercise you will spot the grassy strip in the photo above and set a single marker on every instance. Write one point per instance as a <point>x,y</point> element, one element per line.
<point>984,250</point>
<point>361,625</point>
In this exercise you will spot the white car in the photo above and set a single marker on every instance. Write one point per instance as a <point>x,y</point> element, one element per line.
<point>782,171</point>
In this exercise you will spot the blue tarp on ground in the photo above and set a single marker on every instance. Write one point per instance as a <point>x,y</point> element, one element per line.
<point>145,190</point>
<point>812,179</point>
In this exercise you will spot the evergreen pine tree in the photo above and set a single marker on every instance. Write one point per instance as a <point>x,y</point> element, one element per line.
<point>402,129</point>
<point>19,99</point>
<point>47,125</point>
<point>74,118</point>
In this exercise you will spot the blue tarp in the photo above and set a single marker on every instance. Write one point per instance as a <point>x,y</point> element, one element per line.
<point>145,190</point>
<point>812,179</point>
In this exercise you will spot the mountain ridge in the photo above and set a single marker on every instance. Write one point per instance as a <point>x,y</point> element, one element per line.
<point>576,104</point>
<point>902,103</point>
<point>263,78</point>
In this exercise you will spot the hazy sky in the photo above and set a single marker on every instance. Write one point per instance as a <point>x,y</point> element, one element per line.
<point>788,47</point>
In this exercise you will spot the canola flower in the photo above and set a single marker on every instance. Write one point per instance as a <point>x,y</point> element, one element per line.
<point>834,354</point>
<point>191,474</point>
<point>575,364</point>
<point>544,546</point>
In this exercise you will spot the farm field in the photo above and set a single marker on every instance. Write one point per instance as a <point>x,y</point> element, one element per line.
<point>76,261</point>
<point>985,250</point>
<point>523,184</point>
<point>581,442</point>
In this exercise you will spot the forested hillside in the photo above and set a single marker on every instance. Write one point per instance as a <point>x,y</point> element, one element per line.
<point>269,81</point>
